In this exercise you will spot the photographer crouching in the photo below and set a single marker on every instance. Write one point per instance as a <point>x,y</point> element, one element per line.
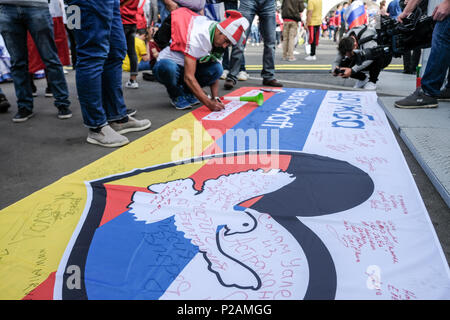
<point>346,63</point>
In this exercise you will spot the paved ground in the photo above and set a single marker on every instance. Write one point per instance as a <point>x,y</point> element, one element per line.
<point>40,151</point>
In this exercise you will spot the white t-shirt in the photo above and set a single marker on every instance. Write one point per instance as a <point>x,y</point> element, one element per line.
<point>198,42</point>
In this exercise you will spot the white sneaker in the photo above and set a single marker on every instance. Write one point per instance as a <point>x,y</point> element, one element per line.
<point>311,58</point>
<point>131,125</point>
<point>224,74</point>
<point>370,86</point>
<point>107,137</point>
<point>132,84</point>
<point>361,83</point>
<point>242,76</point>
<point>296,52</point>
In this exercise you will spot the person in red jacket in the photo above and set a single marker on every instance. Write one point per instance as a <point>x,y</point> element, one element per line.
<point>128,11</point>
<point>337,22</point>
<point>141,19</point>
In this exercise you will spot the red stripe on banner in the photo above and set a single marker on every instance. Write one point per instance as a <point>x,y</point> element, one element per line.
<point>44,291</point>
<point>118,196</point>
<point>212,149</point>
<point>230,121</point>
<point>239,163</point>
<point>117,199</point>
<point>249,203</point>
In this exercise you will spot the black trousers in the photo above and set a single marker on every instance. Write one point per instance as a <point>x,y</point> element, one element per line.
<point>315,36</point>
<point>73,46</point>
<point>374,68</point>
<point>411,60</point>
<point>130,34</point>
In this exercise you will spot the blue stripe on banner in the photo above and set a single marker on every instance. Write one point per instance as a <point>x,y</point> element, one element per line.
<point>355,14</point>
<point>151,255</point>
<point>283,122</point>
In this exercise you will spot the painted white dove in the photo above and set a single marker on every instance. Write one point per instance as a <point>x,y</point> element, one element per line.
<point>208,215</point>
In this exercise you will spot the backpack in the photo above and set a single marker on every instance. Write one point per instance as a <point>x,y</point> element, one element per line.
<point>163,36</point>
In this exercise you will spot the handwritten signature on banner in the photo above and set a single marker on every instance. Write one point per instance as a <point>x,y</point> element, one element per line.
<point>39,227</point>
<point>373,235</point>
<point>44,216</point>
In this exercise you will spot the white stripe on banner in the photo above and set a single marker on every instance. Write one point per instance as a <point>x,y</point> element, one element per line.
<point>386,247</point>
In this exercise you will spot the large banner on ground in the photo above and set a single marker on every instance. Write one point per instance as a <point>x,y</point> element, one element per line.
<point>305,197</point>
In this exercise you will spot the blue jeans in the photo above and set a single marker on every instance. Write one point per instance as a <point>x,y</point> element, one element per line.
<point>331,31</point>
<point>162,10</point>
<point>265,9</point>
<point>144,65</point>
<point>255,34</point>
<point>101,48</point>
<point>439,59</point>
<point>15,21</point>
<point>171,75</point>
<point>226,61</point>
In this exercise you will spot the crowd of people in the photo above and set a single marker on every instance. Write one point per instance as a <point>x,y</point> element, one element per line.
<point>187,45</point>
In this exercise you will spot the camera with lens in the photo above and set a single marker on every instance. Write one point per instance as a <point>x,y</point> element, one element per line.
<point>396,38</point>
<point>338,70</point>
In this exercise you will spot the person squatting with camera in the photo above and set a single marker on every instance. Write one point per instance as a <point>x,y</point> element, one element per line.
<point>346,62</point>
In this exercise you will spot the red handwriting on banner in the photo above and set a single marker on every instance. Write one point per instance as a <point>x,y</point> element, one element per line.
<point>270,256</point>
<point>395,293</point>
<point>339,147</point>
<point>400,294</point>
<point>371,162</point>
<point>348,141</point>
<point>276,287</point>
<point>377,235</point>
<point>179,286</point>
<point>388,202</point>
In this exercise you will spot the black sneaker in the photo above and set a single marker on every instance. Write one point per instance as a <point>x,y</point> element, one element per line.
<point>131,112</point>
<point>444,95</point>
<point>64,113</point>
<point>48,92</point>
<point>148,76</point>
<point>4,104</point>
<point>229,84</point>
<point>22,115</point>
<point>417,100</point>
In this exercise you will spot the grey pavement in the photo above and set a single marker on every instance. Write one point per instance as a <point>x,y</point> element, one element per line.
<point>42,150</point>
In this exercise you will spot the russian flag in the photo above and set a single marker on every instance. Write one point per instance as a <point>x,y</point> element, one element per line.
<point>356,14</point>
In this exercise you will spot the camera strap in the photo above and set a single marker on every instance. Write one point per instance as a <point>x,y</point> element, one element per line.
<point>366,39</point>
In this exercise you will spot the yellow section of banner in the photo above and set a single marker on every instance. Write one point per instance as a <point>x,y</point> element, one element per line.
<point>35,231</point>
